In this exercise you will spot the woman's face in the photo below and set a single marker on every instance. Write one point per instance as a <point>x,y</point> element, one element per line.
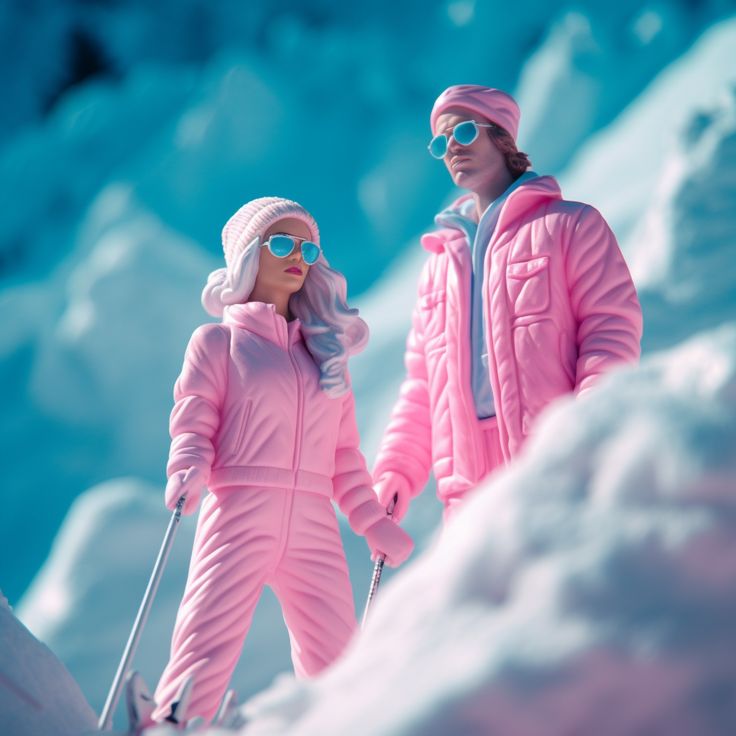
<point>282,275</point>
<point>475,167</point>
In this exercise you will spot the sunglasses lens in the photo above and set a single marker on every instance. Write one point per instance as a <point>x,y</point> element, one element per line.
<point>438,146</point>
<point>310,252</point>
<point>465,133</point>
<point>280,245</point>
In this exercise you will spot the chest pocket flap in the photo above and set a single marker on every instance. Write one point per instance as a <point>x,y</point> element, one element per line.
<point>528,286</point>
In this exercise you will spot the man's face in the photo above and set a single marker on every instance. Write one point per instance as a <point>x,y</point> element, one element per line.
<point>475,167</point>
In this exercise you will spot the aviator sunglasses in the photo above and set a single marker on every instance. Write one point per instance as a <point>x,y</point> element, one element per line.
<point>464,133</point>
<point>282,246</point>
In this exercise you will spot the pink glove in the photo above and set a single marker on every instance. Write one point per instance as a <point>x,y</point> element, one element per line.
<point>390,485</point>
<point>187,483</point>
<point>386,537</point>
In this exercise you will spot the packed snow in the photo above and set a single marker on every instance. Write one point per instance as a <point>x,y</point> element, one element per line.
<point>161,145</point>
<point>37,693</point>
<point>589,589</point>
<point>595,577</point>
<point>618,170</point>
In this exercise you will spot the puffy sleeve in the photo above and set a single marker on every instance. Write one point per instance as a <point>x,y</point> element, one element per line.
<point>406,447</point>
<point>198,399</point>
<point>603,300</point>
<point>352,486</point>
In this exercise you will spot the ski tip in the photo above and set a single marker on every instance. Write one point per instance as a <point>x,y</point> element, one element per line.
<point>139,703</point>
<point>228,715</point>
<point>178,711</point>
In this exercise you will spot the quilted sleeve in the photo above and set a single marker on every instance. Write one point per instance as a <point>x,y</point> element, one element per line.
<point>198,397</point>
<point>603,299</point>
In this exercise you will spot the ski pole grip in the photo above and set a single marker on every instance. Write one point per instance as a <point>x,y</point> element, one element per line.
<point>183,498</point>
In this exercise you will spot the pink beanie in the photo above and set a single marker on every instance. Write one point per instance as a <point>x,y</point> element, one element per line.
<point>255,217</point>
<point>492,104</point>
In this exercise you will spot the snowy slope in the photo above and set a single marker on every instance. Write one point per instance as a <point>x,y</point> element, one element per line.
<point>89,392</point>
<point>618,170</point>
<point>684,265</point>
<point>38,697</point>
<point>202,105</point>
<point>155,154</point>
<point>591,65</point>
<point>92,356</point>
<point>590,589</point>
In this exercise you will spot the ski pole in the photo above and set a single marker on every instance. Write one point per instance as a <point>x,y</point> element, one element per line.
<point>140,620</point>
<point>377,570</point>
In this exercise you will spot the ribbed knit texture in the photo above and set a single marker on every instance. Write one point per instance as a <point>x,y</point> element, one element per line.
<point>255,217</point>
<point>492,104</point>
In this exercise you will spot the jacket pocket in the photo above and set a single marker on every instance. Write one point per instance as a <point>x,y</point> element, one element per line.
<point>239,434</point>
<point>528,286</point>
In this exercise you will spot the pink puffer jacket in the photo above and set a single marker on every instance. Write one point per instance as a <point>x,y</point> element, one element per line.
<point>241,418</point>
<point>560,310</point>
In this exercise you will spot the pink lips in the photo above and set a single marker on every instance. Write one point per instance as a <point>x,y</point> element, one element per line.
<point>458,161</point>
<point>294,269</point>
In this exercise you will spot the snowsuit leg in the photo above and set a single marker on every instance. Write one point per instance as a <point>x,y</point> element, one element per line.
<point>234,548</point>
<point>248,537</point>
<point>492,461</point>
<point>313,586</point>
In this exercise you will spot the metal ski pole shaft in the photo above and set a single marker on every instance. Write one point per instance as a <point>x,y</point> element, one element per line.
<point>375,580</point>
<point>377,571</point>
<point>140,619</point>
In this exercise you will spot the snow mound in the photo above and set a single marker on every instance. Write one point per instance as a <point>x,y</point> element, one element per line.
<point>589,589</point>
<point>588,68</point>
<point>124,313</point>
<point>683,262</point>
<point>618,169</point>
<point>88,363</point>
<point>37,694</point>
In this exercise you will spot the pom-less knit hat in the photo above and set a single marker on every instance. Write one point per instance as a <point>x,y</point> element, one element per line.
<point>492,104</point>
<point>255,217</point>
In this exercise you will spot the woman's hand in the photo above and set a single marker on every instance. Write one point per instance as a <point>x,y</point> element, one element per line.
<point>385,537</point>
<point>187,483</point>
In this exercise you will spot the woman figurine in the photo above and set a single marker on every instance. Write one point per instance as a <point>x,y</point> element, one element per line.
<point>265,419</point>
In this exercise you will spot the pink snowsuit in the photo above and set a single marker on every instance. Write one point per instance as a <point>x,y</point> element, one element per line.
<point>560,309</point>
<point>274,450</point>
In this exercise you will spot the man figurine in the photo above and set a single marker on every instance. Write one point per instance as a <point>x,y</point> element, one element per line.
<point>525,297</point>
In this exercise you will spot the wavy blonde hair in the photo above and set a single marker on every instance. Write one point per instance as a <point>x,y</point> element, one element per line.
<point>332,331</point>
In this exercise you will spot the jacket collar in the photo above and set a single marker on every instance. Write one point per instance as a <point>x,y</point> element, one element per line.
<point>262,319</point>
<point>526,196</point>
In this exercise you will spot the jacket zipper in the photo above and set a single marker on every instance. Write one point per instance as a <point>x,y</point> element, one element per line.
<point>465,370</point>
<point>299,410</point>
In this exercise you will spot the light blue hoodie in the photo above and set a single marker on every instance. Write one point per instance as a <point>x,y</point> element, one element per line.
<point>478,237</point>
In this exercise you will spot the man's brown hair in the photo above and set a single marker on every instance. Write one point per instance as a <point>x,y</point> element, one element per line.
<point>517,162</point>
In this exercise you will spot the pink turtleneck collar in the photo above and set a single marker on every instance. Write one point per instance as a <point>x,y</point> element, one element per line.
<point>263,320</point>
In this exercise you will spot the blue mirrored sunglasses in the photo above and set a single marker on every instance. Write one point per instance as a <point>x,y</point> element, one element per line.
<point>282,246</point>
<point>464,133</point>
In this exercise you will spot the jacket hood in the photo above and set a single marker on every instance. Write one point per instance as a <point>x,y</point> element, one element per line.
<point>262,319</point>
<point>526,196</point>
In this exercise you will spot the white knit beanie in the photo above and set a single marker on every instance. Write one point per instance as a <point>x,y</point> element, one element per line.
<point>255,217</point>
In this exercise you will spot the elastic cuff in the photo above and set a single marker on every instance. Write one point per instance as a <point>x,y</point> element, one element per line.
<point>365,515</point>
